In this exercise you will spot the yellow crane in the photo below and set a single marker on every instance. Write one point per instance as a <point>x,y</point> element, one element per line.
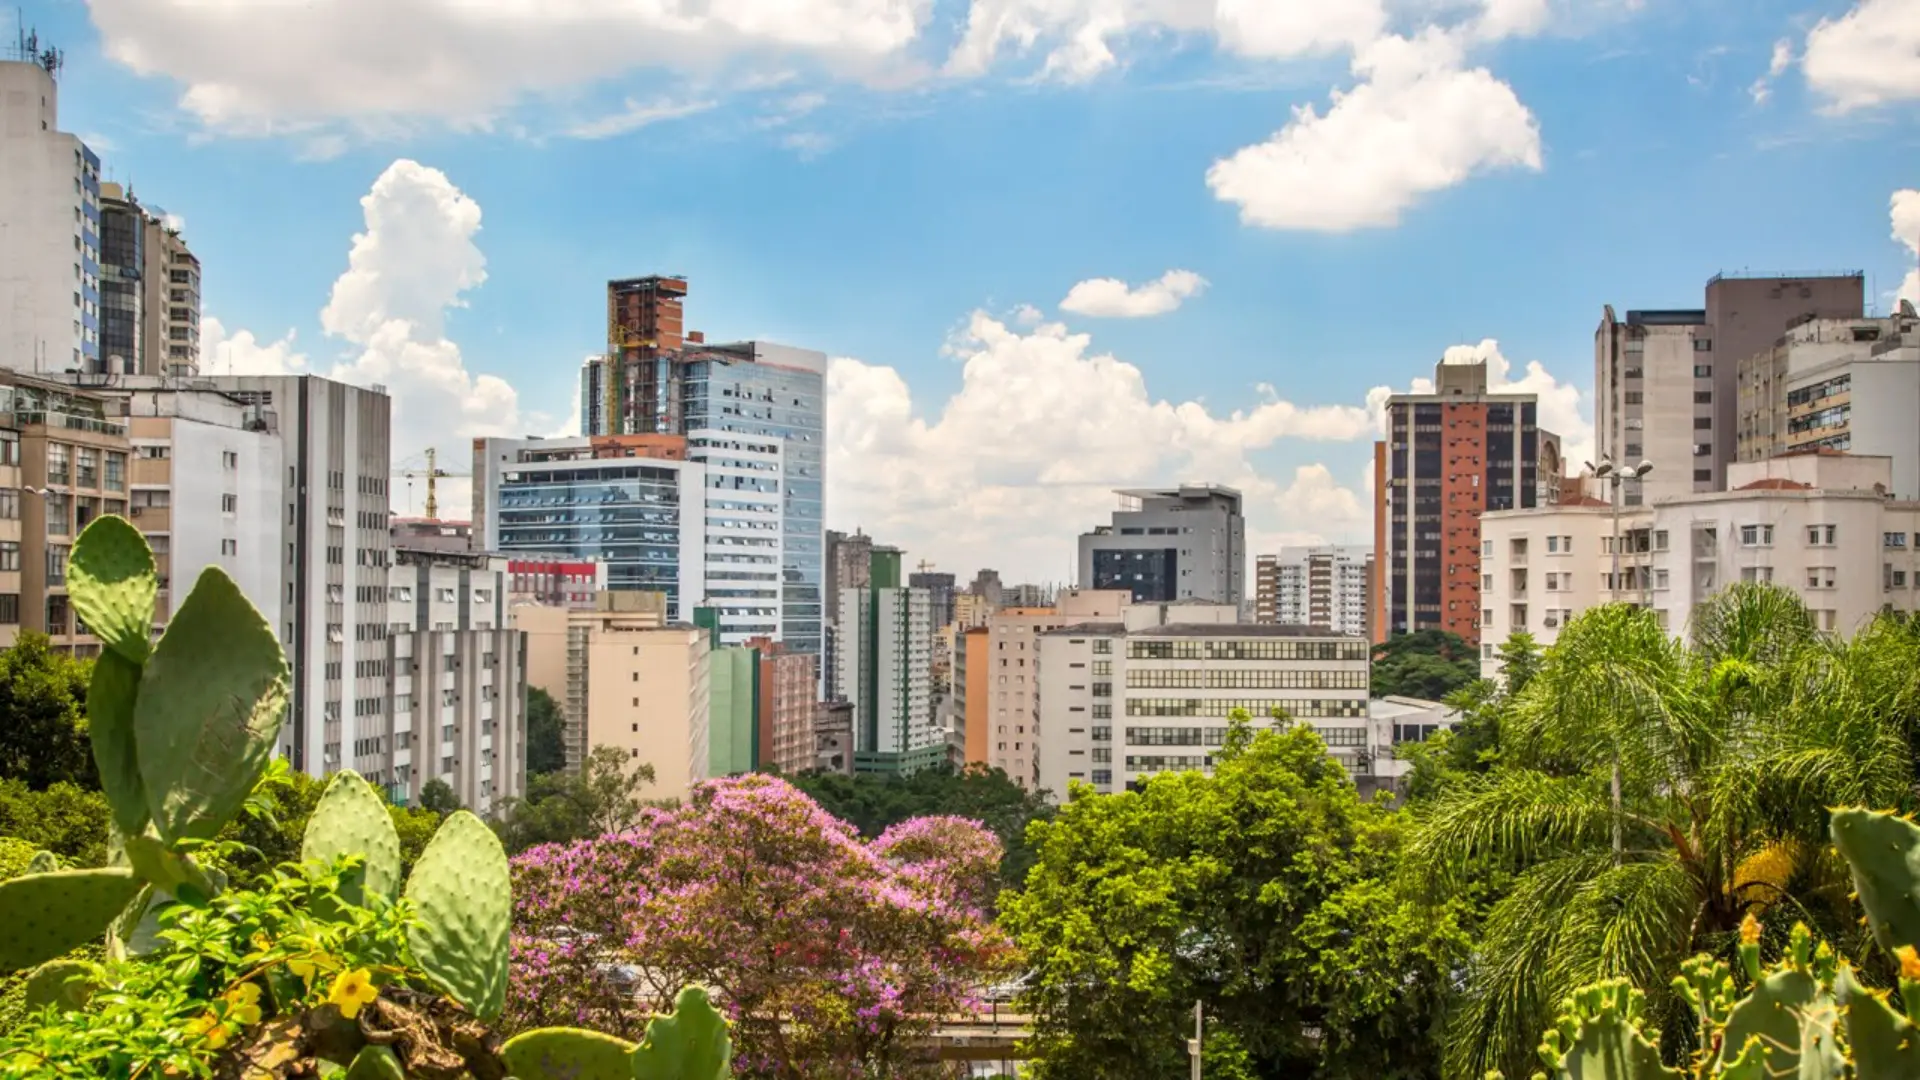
<point>432,473</point>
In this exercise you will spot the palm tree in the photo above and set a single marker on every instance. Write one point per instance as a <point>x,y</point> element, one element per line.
<point>1648,796</point>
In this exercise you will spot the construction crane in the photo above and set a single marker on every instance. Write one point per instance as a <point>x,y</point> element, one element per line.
<point>432,473</point>
<point>924,566</point>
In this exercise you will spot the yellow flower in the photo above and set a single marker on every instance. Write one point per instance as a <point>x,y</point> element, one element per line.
<point>243,1004</point>
<point>260,941</point>
<point>1749,930</point>
<point>208,1026</point>
<point>305,967</point>
<point>351,990</point>
<point>1909,963</point>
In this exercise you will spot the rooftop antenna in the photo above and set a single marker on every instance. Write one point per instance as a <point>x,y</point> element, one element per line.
<point>27,47</point>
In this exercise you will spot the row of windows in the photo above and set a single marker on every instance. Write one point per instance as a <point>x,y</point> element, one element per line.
<point>1255,707</point>
<point>1246,650</point>
<point>1238,679</point>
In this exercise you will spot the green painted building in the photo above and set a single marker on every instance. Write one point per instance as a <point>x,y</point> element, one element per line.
<point>733,695</point>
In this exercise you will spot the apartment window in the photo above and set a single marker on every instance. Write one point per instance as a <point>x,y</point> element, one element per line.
<point>1821,535</point>
<point>1894,540</point>
<point>1486,582</point>
<point>59,513</point>
<point>116,471</point>
<point>1703,476</point>
<point>10,609</point>
<point>1820,577</point>
<point>1757,536</point>
<point>57,563</point>
<point>1756,573</point>
<point>229,547</point>
<point>154,453</point>
<point>229,459</point>
<point>1703,397</point>
<point>1102,646</point>
<point>1486,549</point>
<point>1660,579</point>
<point>1634,450</point>
<point>1899,579</point>
<point>1703,449</point>
<point>9,448</point>
<point>1702,423</point>
<point>1553,544</point>
<point>10,504</point>
<point>89,470</point>
<point>1553,582</point>
<point>1825,619</point>
<point>1660,539</point>
<point>1635,397</point>
<point>59,463</point>
<point>229,504</point>
<point>1702,345</point>
<point>9,555</point>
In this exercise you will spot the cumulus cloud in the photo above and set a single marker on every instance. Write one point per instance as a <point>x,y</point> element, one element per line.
<point>259,68</point>
<point>1560,402</point>
<point>1111,298</point>
<point>1419,121</point>
<point>412,264</point>
<point>1906,229</point>
<point>1026,454</point>
<point>1868,56</point>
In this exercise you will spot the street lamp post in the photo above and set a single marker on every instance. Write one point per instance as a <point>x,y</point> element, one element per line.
<point>1615,475</point>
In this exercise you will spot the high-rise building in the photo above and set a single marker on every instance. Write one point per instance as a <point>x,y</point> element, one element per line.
<point>331,502</point>
<point>1851,385</point>
<point>789,690</point>
<point>940,590</point>
<point>1324,587</point>
<point>986,585</point>
<point>847,564</point>
<point>625,678</point>
<point>1449,455</point>
<point>593,396</point>
<point>632,502</point>
<point>1820,524</point>
<point>456,679</point>
<point>998,690</point>
<point>150,290</point>
<point>49,223</point>
<point>1184,543</point>
<point>885,642</point>
<point>1666,382</point>
<point>1122,701</point>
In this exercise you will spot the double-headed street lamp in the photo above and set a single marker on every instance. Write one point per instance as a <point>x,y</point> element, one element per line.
<point>1615,475</point>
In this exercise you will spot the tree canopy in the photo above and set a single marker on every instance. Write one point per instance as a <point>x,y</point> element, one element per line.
<point>874,804</point>
<point>603,797</point>
<point>43,715</point>
<point>1265,891</point>
<point>546,746</point>
<point>1426,664</point>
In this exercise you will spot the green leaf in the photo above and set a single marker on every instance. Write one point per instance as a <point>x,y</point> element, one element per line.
<point>691,1044</point>
<point>113,584</point>
<point>110,707</point>
<point>211,702</point>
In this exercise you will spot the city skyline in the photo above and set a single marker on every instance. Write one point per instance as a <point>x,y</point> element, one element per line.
<point>1303,321</point>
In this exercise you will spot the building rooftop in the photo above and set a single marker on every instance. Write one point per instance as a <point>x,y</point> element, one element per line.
<point>1241,630</point>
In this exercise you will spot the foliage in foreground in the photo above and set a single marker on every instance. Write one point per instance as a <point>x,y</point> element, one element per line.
<point>1265,892</point>
<point>1807,1016</point>
<point>830,955</point>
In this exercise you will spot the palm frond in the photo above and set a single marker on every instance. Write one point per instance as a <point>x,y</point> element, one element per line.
<point>1513,817</point>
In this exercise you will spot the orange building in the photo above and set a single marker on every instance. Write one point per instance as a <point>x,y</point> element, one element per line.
<point>1448,456</point>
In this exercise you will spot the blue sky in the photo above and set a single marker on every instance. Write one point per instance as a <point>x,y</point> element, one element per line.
<point>888,182</point>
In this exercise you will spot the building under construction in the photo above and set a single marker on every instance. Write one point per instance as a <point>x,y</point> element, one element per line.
<point>646,328</point>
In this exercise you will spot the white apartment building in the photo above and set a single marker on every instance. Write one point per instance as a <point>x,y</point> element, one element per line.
<point>1322,586</point>
<point>1122,701</point>
<point>456,675</point>
<point>1838,384</point>
<point>745,543</point>
<point>1820,524</point>
<point>885,670</point>
<point>49,227</point>
<point>331,512</point>
<point>1000,704</point>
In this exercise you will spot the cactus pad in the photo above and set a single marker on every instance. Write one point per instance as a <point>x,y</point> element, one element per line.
<point>460,892</point>
<point>111,578</point>
<point>110,700</point>
<point>63,983</point>
<point>1884,1043</point>
<point>1883,851</point>
<point>43,862</point>
<point>351,820</point>
<point>1598,1037</point>
<point>375,1062</point>
<point>47,915</point>
<point>692,1044</point>
<point>1792,1016</point>
<point>211,701</point>
<point>567,1054</point>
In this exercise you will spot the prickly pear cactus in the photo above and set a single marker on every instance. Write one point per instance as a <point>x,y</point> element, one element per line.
<point>460,891</point>
<point>691,1044</point>
<point>375,1063</point>
<point>1598,1037</point>
<point>209,710</point>
<point>1788,1019</point>
<point>63,983</point>
<point>1884,1042</point>
<point>111,578</point>
<point>568,1054</point>
<point>1883,851</point>
<point>47,915</point>
<point>351,819</point>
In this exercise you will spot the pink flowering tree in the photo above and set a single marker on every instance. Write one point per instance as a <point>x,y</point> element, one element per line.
<point>830,954</point>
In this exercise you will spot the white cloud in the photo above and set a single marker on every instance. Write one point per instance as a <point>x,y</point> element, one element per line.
<point>1869,56</point>
<point>264,67</point>
<point>1026,454</point>
<point>1559,401</point>
<point>405,272</point>
<point>1112,298</point>
<point>1906,229</point>
<point>1782,59</point>
<point>636,115</point>
<point>1419,122</point>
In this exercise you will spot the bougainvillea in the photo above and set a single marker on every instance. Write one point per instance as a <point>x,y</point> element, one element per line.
<point>831,955</point>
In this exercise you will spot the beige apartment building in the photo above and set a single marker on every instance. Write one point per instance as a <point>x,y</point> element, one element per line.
<point>1001,699</point>
<point>625,678</point>
<point>1821,524</point>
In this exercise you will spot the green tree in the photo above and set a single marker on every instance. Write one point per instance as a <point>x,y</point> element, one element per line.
<point>43,715</point>
<point>437,797</point>
<point>1426,664</point>
<point>873,804</point>
<point>604,797</point>
<point>68,820</point>
<point>1473,746</point>
<point>546,748</point>
<point>1725,757</point>
<point>1264,892</point>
